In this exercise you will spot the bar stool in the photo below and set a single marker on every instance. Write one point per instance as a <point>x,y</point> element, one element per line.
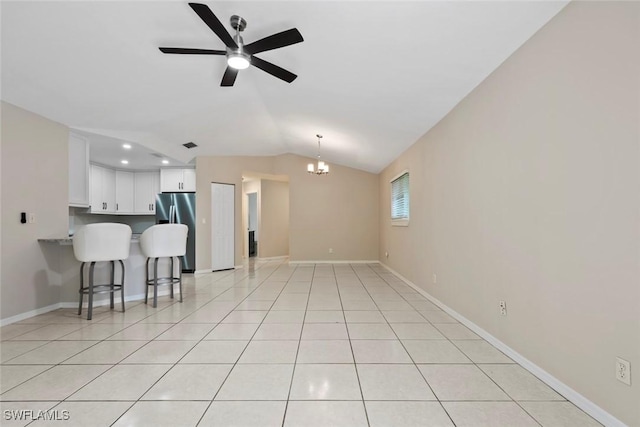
<point>163,241</point>
<point>102,242</point>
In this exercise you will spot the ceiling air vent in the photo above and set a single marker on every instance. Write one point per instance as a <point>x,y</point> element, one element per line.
<point>160,156</point>
<point>190,145</point>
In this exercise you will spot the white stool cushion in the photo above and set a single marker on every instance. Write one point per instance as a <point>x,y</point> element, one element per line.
<point>102,242</point>
<point>164,240</point>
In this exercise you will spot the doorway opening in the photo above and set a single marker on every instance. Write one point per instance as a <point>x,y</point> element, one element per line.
<point>252,221</point>
<point>265,216</point>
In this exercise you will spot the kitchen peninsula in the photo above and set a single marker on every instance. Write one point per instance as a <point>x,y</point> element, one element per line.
<point>63,264</point>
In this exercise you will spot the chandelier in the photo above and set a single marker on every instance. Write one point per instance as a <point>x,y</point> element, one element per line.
<point>322,168</point>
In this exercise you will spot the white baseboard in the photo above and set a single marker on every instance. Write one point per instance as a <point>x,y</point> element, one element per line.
<point>104,301</point>
<point>201,272</point>
<point>273,258</point>
<point>68,304</point>
<point>570,394</point>
<point>324,261</point>
<point>29,314</point>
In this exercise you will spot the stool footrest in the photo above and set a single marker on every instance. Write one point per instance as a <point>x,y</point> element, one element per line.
<point>164,281</point>
<point>100,289</point>
<point>156,281</point>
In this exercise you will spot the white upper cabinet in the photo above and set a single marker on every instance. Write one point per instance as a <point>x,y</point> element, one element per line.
<point>147,186</point>
<point>177,180</point>
<point>124,192</point>
<point>188,180</point>
<point>170,180</point>
<point>103,190</point>
<point>78,171</point>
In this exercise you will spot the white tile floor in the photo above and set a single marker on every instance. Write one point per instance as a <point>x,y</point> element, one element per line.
<point>271,344</point>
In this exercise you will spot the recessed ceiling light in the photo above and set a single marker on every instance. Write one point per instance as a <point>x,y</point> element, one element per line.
<point>126,146</point>
<point>165,162</point>
<point>124,162</point>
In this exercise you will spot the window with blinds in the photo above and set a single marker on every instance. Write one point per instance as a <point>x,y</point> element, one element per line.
<point>400,199</point>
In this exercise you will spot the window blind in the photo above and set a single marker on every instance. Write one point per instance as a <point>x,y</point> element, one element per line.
<point>400,197</point>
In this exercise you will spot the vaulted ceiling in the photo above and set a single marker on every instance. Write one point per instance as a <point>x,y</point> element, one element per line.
<point>372,76</point>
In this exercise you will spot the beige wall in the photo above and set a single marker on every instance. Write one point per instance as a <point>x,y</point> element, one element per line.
<point>34,179</point>
<point>528,191</point>
<point>335,211</point>
<point>274,219</point>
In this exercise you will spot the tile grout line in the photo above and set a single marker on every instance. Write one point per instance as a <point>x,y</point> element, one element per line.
<point>318,285</point>
<point>355,365</point>
<point>245,347</point>
<point>295,362</point>
<point>162,376</point>
<point>472,362</point>
<point>409,354</point>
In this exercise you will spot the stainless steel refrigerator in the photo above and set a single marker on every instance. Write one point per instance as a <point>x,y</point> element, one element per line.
<point>180,208</point>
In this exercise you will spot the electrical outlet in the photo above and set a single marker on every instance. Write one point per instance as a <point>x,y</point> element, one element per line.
<point>32,218</point>
<point>435,278</point>
<point>623,371</point>
<point>330,250</point>
<point>503,308</point>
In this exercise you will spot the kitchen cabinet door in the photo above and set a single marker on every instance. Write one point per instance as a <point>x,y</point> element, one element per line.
<point>103,190</point>
<point>170,180</point>
<point>109,189</point>
<point>124,192</point>
<point>97,202</point>
<point>188,180</point>
<point>177,180</point>
<point>147,186</point>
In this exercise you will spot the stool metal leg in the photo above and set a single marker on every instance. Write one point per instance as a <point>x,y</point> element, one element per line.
<point>112,282</point>
<point>122,285</point>
<point>173,271</point>
<point>180,276</point>
<point>90,309</point>
<point>146,282</point>
<point>155,283</point>
<point>81,286</point>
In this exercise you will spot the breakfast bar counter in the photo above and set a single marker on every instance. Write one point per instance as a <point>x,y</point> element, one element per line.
<point>62,262</point>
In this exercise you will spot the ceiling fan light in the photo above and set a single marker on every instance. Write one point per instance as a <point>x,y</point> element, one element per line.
<point>238,60</point>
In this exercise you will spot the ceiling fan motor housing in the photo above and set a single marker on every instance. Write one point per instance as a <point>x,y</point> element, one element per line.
<point>238,23</point>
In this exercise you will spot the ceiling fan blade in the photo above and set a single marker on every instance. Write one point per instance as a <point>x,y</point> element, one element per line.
<point>229,77</point>
<point>272,69</point>
<point>190,51</point>
<point>275,41</point>
<point>214,23</point>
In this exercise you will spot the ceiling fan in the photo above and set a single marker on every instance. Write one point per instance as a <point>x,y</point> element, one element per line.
<point>240,56</point>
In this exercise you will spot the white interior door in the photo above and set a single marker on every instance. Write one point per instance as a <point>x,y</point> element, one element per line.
<point>222,226</point>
